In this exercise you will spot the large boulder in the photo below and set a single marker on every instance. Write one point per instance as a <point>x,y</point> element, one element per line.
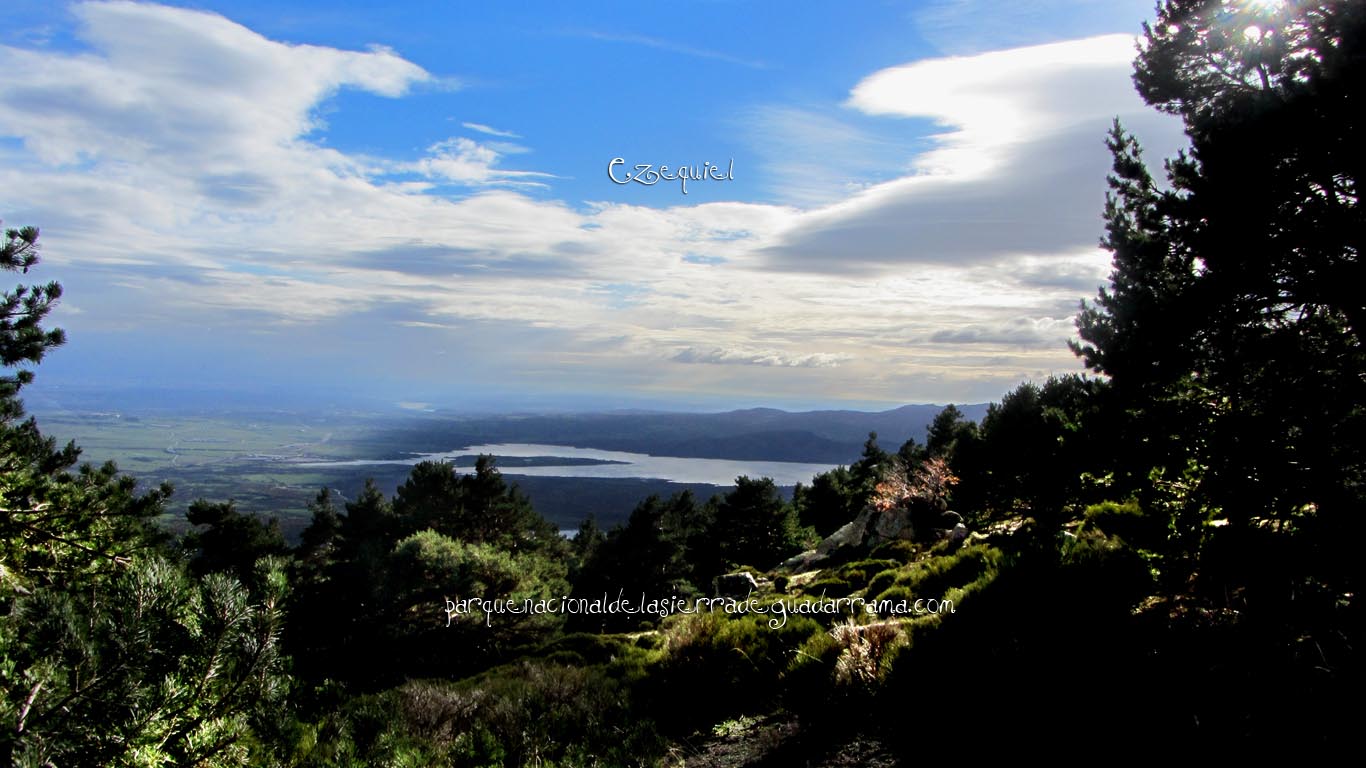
<point>849,535</point>
<point>906,506</point>
<point>875,526</point>
<point>740,584</point>
<point>804,561</point>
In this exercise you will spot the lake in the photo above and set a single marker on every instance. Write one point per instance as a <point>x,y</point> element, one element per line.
<point>623,464</point>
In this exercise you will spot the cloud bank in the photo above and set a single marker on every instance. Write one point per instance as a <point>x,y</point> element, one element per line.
<point>178,164</point>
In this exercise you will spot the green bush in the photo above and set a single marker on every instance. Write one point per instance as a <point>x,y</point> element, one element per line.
<point>716,666</point>
<point>1127,521</point>
<point>428,568</point>
<point>858,573</point>
<point>808,688</point>
<point>620,657</point>
<point>1104,572</point>
<point>829,587</point>
<point>588,649</point>
<point>530,713</point>
<point>936,576</point>
<point>901,551</point>
<point>894,593</point>
<point>882,582</point>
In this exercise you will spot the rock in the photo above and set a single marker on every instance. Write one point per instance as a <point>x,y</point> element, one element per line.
<point>739,584</point>
<point>850,534</point>
<point>801,562</point>
<point>891,525</point>
<point>876,526</point>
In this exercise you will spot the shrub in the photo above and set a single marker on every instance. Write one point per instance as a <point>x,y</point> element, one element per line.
<point>716,666</point>
<point>882,582</point>
<point>807,681</point>
<point>857,573</point>
<point>862,650</point>
<point>1104,572</point>
<point>530,713</point>
<point>895,594</point>
<point>1127,521</point>
<point>428,568</point>
<point>901,551</point>
<point>936,576</point>
<point>586,649</point>
<point>829,587</point>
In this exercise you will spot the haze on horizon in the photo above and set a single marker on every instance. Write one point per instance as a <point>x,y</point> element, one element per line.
<point>292,202</point>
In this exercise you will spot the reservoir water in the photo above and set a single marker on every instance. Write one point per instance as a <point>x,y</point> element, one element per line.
<point>625,465</point>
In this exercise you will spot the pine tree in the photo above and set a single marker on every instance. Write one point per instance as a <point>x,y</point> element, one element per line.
<point>755,526</point>
<point>1232,327</point>
<point>110,652</point>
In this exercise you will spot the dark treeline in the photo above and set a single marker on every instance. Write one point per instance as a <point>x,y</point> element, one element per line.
<point>1159,554</point>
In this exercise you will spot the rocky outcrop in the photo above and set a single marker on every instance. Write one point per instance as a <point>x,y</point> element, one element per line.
<point>905,508</point>
<point>736,585</point>
<point>874,527</point>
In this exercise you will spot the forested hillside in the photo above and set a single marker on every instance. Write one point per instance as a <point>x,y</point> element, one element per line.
<point>756,433</point>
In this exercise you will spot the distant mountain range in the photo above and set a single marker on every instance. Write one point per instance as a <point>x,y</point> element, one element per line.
<point>756,434</point>
<point>237,453</point>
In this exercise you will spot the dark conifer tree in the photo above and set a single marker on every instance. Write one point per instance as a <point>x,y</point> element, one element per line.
<point>1232,326</point>
<point>111,653</point>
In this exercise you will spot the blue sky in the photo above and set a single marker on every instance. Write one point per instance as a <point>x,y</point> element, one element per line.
<point>411,204</point>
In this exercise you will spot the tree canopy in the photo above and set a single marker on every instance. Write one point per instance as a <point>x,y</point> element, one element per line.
<point>1231,329</point>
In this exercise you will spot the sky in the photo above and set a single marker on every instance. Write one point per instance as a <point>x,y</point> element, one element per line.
<point>413,203</point>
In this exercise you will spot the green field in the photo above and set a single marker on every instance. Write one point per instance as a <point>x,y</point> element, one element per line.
<point>253,460</point>
<point>246,459</point>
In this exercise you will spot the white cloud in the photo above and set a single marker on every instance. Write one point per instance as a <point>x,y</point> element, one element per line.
<point>1028,332</point>
<point>178,170</point>
<point>464,161</point>
<point>490,130</point>
<point>768,357</point>
<point>168,80</point>
<point>1018,168</point>
<point>990,103</point>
